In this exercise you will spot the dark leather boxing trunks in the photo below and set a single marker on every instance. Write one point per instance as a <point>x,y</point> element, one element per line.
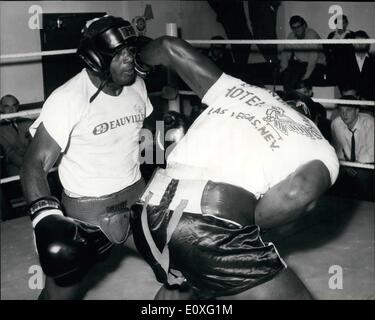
<point>202,233</point>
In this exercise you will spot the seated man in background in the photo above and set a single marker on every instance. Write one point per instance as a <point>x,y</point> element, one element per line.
<point>220,55</point>
<point>342,31</point>
<point>353,134</point>
<point>4,205</point>
<point>249,161</point>
<point>313,110</point>
<point>359,68</point>
<point>14,136</point>
<point>302,62</point>
<point>337,53</point>
<point>14,140</point>
<point>319,113</point>
<point>353,139</point>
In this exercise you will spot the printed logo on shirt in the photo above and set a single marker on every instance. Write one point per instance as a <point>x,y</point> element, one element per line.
<point>246,94</point>
<point>106,126</point>
<point>284,123</point>
<point>271,138</point>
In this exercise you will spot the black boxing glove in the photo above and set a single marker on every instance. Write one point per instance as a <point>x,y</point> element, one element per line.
<point>141,68</point>
<point>62,244</point>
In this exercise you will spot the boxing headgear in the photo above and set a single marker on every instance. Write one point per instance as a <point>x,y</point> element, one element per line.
<point>102,39</point>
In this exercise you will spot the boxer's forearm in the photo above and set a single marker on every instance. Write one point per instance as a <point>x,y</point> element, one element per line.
<point>34,182</point>
<point>289,199</point>
<point>197,70</point>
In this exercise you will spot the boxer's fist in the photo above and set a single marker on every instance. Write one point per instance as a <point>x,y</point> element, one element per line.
<point>61,243</point>
<point>140,67</point>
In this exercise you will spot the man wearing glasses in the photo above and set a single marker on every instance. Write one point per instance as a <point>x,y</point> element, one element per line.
<point>304,62</point>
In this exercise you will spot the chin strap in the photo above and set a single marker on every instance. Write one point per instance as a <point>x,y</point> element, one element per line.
<point>102,85</point>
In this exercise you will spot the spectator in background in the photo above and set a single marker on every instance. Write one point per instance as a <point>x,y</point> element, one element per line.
<point>353,140</point>
<point>342,31</point>
<point>14,140</point>
<point>337,53</point>
<point>220,55</point>
<point>319,115</point>
<point>302,62</point>
<point>4,205</point>
<point>301,99</point>
<point>359,68</point>
<point>348,90</point>
<point>14,136</point>
<point>353,134</point>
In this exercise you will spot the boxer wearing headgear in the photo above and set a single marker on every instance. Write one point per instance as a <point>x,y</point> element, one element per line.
<point>104,38</point>
<point>248,162</point>
<point>91,124</point>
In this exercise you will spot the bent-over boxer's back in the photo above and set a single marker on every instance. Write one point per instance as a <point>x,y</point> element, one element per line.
<point>248,137</point>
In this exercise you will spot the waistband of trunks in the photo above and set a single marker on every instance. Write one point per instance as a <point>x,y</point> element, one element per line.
<point>221,200</point>
<point>89,208</point>
<point>110,213</point>
<point>190,190</point>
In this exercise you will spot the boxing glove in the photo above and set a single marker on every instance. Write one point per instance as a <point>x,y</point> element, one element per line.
<point>141,68</point>
<point>62,244</point>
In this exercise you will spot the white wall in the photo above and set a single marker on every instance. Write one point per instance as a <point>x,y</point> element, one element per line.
<point>195,18</point>
<point>24,80</point>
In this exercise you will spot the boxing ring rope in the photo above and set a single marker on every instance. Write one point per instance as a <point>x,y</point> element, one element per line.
<point>278,41</point>
<point>342,162</point>
<point>32,113</point>
<point>328,101</point>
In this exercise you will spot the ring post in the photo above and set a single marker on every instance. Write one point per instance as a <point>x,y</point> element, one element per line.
<point>173,105</point>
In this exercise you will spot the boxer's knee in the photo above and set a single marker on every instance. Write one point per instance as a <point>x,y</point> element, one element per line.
<point>52,291</point>
<point>284,286</point>
<point>167,293</point>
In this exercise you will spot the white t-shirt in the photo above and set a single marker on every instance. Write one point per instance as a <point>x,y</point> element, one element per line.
<point>99,140</point>
<point>363,134</point>
<point>248,137</point>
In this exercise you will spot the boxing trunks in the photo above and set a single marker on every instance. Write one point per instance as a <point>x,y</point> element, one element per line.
<point>202,234</point>
<point>106,218</point>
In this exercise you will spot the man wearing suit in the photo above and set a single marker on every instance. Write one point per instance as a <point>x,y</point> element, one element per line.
<point>360,68</point>
<point>14,139</point>
<point>337,54</point>
<point>14,136</point>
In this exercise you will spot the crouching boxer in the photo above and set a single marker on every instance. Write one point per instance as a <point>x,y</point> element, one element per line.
<point>249,161</point>
<point>92,124</point>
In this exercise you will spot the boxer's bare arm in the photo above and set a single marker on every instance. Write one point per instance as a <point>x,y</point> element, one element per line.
<point>39,159</point>
<point>197,70</point>
<point>289,198</point>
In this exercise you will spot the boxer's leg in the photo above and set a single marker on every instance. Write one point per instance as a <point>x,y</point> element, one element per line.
<point>284,286</point>
<point>165,293</point>
<point>129,243</point>
<point>52,291</point>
